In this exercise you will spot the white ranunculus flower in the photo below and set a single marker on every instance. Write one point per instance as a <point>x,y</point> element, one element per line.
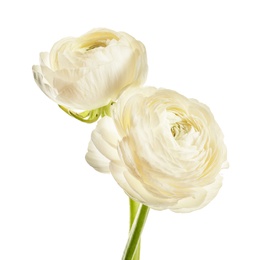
<point>88,72</point>
<point>163,149</point>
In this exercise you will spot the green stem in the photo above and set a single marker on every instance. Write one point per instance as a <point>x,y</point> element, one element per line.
<point>135,232</point>
<point>133,211</point>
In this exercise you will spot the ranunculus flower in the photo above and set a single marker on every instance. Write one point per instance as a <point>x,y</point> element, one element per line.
<point>165,150</point>
<point>89,72</point>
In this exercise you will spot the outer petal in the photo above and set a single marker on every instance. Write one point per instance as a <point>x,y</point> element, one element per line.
<point>59,47</point>
<point>95,159</point>
<point>203,197</point>
<point>43,83</point>
<point>103,145</point>
<point>134,188</point>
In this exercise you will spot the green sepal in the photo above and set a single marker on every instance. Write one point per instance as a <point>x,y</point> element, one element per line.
<point>89,116</point>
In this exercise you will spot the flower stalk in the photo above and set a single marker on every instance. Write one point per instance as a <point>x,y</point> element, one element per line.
<point>137,221</point>
<point>133,212</point>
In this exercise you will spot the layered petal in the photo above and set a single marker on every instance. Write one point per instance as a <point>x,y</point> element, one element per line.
<point>165,150</point>
<point>103,145</point>
<point>88,72</point>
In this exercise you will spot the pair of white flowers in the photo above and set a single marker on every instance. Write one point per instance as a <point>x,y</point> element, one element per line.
<point>165,150</point>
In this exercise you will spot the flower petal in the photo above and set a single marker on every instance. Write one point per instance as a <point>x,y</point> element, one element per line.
<point>88,72</point>
<point>95,159</point>
<point>43,83</point>
<point>170,149</point>
<point>103,145</point>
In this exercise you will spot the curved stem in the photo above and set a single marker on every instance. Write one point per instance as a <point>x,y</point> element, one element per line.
<point>135,233</point>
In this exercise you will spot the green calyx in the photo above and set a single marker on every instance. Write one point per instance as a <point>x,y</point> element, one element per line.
<point>89,116</point>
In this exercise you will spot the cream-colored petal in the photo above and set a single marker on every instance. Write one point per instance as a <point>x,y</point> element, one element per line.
<point>68,92</point>
<point>103,145</point>
<point>203,197</point>
<point>43,83</point>
<point>105,138</point>
<point>158,168</point>
<point>133,187</point>
<point>59,47</point>
<point>95,159</point>
<point>44,59</point>
<point>90,71</point>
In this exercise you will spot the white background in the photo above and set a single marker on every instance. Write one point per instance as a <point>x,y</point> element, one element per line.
<point>54,206</point>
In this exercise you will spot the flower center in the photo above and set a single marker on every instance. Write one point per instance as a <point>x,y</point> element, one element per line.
<point>179,129</point>
<point>96,45</point>
<point>178,126</point>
